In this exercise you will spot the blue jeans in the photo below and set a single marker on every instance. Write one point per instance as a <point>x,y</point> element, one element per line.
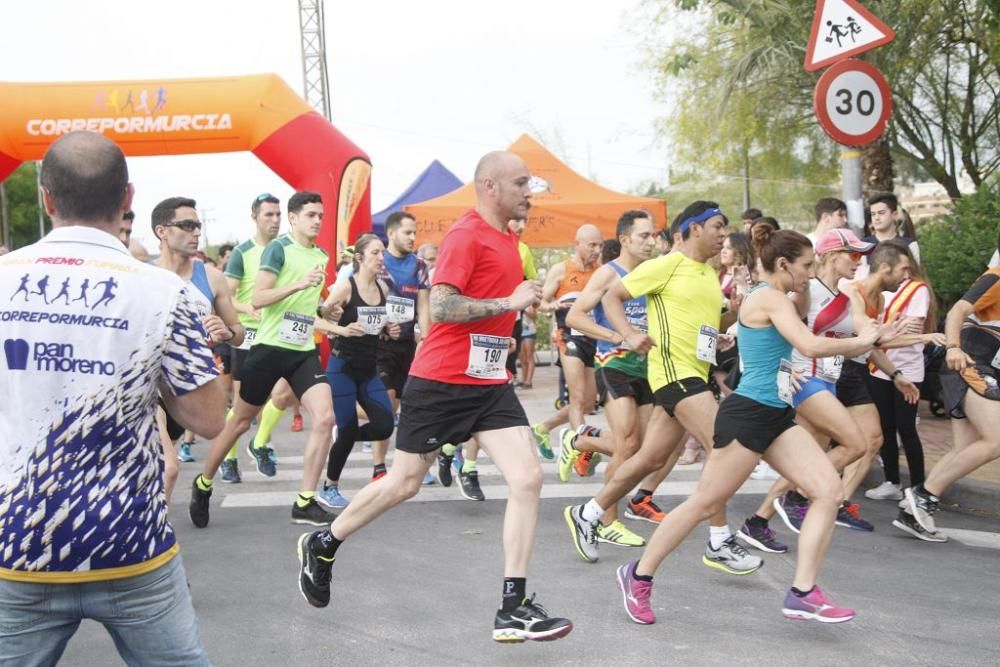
<point>149,617</point>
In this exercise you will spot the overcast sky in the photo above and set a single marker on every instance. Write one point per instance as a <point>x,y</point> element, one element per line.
<point>410,82</point>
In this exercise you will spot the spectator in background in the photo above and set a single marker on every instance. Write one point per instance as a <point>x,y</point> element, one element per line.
<point>225,250</point>
<point>831,213</point>
<point>734,275</point>
<point>905,225</point>
<point>345,264</point>
<point>914,300</point>
<point>664,241</point>
<point>429,253</point>
<point>885,212</point>
<point>764,220</point>
<point>125,232</point>
<point>90,443</point>
<point>749,216</point>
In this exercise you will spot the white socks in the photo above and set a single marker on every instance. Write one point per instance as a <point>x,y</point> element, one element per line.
<point>718,534</point>
<point>592,512</point>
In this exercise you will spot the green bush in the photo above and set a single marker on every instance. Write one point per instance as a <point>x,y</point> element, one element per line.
<point>956,247</point>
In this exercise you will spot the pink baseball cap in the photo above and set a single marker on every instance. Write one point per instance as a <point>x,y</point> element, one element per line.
<point>842,239</point>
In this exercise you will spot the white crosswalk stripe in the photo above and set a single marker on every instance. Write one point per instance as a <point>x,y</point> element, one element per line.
<point>259,491</point>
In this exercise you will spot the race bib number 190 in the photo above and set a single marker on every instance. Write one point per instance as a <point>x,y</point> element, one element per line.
<point>487,357</point>
<point>296,329</point>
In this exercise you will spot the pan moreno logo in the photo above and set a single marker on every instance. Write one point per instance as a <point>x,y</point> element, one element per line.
<point>51,358</point>
<point>129,111</point>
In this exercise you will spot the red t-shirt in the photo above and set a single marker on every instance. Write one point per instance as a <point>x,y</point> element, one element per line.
<point>482,263</point>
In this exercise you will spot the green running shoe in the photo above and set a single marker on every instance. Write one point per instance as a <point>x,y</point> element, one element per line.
<point>542,440</point>
<point>616,533</point>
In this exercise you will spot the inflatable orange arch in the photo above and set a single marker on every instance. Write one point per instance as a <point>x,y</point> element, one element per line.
<point>258,113</point>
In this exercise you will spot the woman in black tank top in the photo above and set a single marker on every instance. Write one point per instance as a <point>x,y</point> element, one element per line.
<point>351,368</point>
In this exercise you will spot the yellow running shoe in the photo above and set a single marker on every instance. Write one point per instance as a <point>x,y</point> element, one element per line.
<point>616,533</point>
<point>568,454</point>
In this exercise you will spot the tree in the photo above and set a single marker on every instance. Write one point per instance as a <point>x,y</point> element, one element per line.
<point>956,247</point>
<point>22,206</point>
<point>738,73</point>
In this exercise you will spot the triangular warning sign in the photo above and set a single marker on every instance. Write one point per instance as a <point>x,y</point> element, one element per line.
<point>841,29</point>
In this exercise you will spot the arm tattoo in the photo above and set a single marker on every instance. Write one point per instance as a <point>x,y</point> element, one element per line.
<point>447,305</point>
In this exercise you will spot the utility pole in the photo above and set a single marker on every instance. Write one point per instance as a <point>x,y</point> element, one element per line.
<point>851,175</point>
<point>312,27</point>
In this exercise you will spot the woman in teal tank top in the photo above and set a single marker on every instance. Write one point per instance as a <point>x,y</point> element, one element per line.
<point>758,421</point>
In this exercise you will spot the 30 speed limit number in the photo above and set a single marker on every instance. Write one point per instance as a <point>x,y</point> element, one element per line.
<point>853,102</point>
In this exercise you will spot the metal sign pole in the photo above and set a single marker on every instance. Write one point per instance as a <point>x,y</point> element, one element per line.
<point>850,174</point>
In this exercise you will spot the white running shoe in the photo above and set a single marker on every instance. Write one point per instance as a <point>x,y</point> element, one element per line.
<point>885,491</point>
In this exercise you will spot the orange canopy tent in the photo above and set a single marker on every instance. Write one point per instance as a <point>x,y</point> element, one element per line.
<point>563,201</point>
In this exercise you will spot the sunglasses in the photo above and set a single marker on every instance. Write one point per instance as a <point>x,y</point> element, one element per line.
<point>853,254</point>
<point>186,225</point>
<point>266,195</point>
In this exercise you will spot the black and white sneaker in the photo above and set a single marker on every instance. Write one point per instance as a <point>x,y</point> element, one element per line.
<point>923,507</point>
<point>312,514</point>
<point>529,621</point>
<point>444,468</point>
<point>468,483</point>
<point>314,573</point>
<point>584,533</point>
<point>200,502</point>
<point>906,523</point>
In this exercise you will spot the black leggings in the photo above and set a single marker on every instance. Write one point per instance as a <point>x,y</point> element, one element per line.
<point>897,416</point>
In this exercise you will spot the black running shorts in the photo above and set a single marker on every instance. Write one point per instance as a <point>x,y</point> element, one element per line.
<point>668,396</point>
<point>237,360</point>
<point>579,347</point>
<point>852,387</point>
<point>617,384</point>
<point>393,360</point>
<point>264,365</point>
<point>980,343</point>
<point>436,413</point>
<point>753,424</point>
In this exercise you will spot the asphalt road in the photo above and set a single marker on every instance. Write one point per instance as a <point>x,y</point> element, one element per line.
<point>420,586</point>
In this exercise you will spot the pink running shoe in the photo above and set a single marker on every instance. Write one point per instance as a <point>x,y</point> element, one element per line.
<point>635,594</point>
<point>815,607</point>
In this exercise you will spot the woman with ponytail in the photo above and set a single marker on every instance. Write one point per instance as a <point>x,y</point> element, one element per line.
<point>757,421</point>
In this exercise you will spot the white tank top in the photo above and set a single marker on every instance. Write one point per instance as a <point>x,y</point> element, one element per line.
<point>830,316</point>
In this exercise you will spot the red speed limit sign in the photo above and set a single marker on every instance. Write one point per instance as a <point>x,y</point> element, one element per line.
<point>853,102</point>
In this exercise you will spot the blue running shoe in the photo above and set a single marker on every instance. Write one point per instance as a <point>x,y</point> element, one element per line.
<point>264,457</point>
<point>231,471</point>
<point>184,452</point>
<point>429,479</point>
<point>330,496</point>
